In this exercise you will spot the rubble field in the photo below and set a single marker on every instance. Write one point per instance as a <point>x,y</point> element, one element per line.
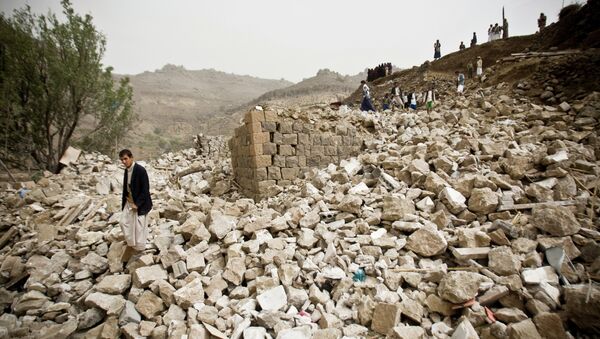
<point>478,220</point>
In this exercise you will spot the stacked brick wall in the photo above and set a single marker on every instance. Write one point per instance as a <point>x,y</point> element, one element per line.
<point>269,150</point>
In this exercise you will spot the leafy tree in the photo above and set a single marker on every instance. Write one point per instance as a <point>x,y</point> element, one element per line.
<point>53,85</point>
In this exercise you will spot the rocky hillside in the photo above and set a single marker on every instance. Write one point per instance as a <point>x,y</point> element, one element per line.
<point>174,103</point>
<point>561,60</point>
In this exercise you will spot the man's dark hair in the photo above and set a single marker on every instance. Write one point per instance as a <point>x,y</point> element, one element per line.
<point>125,152</point>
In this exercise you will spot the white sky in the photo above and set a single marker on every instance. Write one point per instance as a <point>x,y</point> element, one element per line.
<point>291,39</point>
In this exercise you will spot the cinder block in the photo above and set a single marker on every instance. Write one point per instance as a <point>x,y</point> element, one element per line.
<point>254,127</point>
<point>285,127</point>
<point>269,148</point>
<point>277,138</point>
<point>279,160</point>
<point>261,161</point>
<point>289,173</point>
<point>254,116</point>
<point>273,173</point>
<point>271,116</point>
<point>255,149</point>
<point>269,126</point>
<point>260,174</point>
<point>317,150</point>
<point>286,150</point>
<point>290,139</point>
<point>291,161</point>
<point>259,138</point>
<point>303,139</point>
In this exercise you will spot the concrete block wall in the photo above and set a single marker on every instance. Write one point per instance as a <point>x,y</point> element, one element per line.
<point>269,150</point>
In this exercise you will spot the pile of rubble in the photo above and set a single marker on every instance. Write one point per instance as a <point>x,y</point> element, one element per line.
<point>475,221</point>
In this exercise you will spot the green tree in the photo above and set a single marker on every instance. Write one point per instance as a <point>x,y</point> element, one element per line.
<point>53,85</point>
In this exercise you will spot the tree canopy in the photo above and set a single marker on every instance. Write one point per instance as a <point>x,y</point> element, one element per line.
<point>54,86</point>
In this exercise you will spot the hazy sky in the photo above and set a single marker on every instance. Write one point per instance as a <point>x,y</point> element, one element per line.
<point>291,39</point>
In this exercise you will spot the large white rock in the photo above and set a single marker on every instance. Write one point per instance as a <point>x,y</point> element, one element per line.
<point>144,276</point>
<point>302,332</point>
<point>538,275</point>
<point>272,299</point>
<point>190,294</point>
<point>465,331</point>
<point>453,199</point>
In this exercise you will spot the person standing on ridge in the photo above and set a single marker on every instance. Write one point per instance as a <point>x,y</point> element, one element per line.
<point>462,46</point>
<point>490,33</point>
<point>136,202</point>
<point>437,50</point>
<point>474,40</point>
<point>366,104</point>
<point>542,21</point>
<point>504,29</point>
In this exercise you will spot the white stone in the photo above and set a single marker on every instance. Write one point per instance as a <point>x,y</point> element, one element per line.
<point>538,275</point>
<point>334,273</point>
<point>272,299</point>
<point>465,331</point>
<point>359,189</point>
<point>453,199</point>
<point>302,332</point>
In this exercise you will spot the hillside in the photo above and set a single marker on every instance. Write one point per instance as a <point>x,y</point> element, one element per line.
<point>173,103</point>
<point>529,64</point>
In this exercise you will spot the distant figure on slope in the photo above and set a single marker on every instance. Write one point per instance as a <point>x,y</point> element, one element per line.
<point>396,96</point>
<point>504,29</point>
<point>430,98</point>
<point>479,67</point>
<point>470,70</point>
<point>385,103</point>
<point>474,40</point>
<point>462,46</point>
<point>437,50</point>
<point>490,32</point>
<point>542,22</point>
<point>366,104</point>
<point>413,101</point>
<point>460,82</point>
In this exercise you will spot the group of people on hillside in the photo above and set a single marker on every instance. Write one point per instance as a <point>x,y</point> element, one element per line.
<point>496,32</point>
<point>382,70</point>
<point>398,99</point>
